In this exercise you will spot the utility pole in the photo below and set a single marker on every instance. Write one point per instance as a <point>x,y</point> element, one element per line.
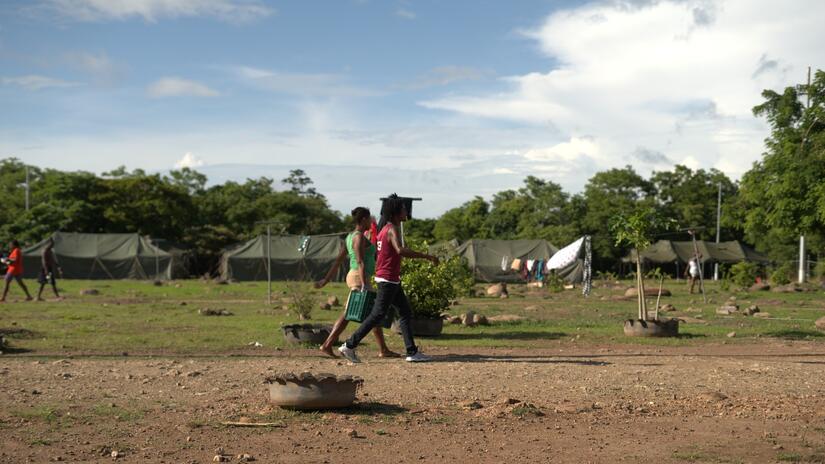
<point>803,274</point>
<point>718,228</point>
<point>28,189</point>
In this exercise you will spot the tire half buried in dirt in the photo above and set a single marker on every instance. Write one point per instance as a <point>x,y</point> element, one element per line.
<point>307,333</point>
<point>663,328</point>
<point>308,391</point>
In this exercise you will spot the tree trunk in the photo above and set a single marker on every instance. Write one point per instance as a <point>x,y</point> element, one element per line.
<point>641,289</point>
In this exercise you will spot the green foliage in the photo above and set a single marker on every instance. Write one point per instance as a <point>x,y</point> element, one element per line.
<point>782,274</point>
<point>301,299</point>
<point>743,274</point>
<point>430,288</point>
<point>656,273</point>
<point>783,195</point>
<point>554,282</point>
<point>819,269</point>
<point>690,197</point>
<point>616,192</point>
<point>422,230</point>
<point>464,222</point>
<point>637,229</point>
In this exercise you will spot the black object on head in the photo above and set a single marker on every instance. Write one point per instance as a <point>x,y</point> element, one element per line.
<point>392,202</point>
<point>15,244</point>
<point>360,213</point>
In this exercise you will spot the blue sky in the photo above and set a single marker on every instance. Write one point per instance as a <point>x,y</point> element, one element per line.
<point>444,100</point>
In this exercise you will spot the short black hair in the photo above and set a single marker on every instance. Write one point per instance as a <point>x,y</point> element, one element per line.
<point>359,213</point>
<point>15,243</point>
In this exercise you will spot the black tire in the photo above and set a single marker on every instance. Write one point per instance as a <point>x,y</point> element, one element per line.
<point>662,328</point>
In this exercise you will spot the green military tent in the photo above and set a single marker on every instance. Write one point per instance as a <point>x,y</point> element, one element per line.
<point>102,256</point>
<point>485,256</point>
<point>183,257</point>
<point>294,257</point>
<point>667,251</point>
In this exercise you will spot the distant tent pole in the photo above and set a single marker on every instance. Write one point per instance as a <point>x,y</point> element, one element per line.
<point>28,189</point>
<point>802,273</point>
<point>718,216</point>
<point>157,261</point>
<point>269,264</point>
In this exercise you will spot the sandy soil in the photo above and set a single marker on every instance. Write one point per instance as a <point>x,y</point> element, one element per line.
<point>716,403</point>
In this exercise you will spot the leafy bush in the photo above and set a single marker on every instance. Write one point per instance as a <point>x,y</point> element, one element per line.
<point>301,299</point>
<point>819,269</point>
<point>607,276</point>
<point>743,274</point>
<point>430,288</point>
<point>782,274</point>
<point>554,282</point>
<point>656,273</point>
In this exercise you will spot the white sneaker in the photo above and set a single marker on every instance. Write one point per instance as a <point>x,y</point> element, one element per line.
<point>418,357</point>
<point>348,353</point>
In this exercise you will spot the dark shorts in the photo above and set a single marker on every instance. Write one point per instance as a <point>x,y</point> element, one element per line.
<point>45,277</point>
<point>10,277</point>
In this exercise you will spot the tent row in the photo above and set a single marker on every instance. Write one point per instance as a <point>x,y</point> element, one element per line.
<point>103,256</point>
<point>297,257</point>
<point>667,251</point>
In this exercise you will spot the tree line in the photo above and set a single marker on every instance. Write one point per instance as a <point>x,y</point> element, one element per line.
<point>779,198</point>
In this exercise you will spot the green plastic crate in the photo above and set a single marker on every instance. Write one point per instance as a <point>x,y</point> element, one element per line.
<point>359,305</point>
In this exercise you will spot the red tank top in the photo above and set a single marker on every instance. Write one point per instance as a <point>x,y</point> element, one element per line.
<point>388,264</point>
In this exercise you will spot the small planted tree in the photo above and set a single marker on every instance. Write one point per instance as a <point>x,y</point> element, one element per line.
<point>301,299</point>
<point>637,230</point>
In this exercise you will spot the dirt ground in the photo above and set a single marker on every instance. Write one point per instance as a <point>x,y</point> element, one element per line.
<point>711,403</point>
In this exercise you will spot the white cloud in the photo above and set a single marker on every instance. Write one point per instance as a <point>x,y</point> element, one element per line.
<point>677,77</point>
<point>35,82</point>
<point>177,87</point>
<point>303,84</point>
<point>503,171</point>
<point>97,65</point>
<point>445,75</point>
<point>189,161</point>
<point>154,10</point>
<point>405,13</point>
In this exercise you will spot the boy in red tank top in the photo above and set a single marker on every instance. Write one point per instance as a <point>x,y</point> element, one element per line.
<point>15,270</point>
<point>388,278</point>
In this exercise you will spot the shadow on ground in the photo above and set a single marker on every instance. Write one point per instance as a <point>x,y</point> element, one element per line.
<point>373,408</point>
<point>474,358</point>
<point>517,335</point>
<point>795,334</point>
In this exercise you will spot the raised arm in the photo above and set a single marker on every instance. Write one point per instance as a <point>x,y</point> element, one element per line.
<point>406,252</point>
<point>340,259</point>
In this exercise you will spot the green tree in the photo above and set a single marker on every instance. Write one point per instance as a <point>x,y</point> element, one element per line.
<point>464,222</point>
<point>783,195</point>
<point>300,184</point>
<point>608,194</point>
<point>691,197</point>
<point>637,230</point>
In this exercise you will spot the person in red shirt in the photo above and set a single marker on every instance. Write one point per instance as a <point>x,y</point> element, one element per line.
<point>388,279</point>
<point>15,270</point>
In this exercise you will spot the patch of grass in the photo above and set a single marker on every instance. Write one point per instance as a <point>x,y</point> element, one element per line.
<point>40,442</point>
<point>441,420</point>
<point>703,456</point>
<point>380,432</point>
<point>46,414</point>
<point>789,457</point>
<point>117,412</point>
<point>139,318</point>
